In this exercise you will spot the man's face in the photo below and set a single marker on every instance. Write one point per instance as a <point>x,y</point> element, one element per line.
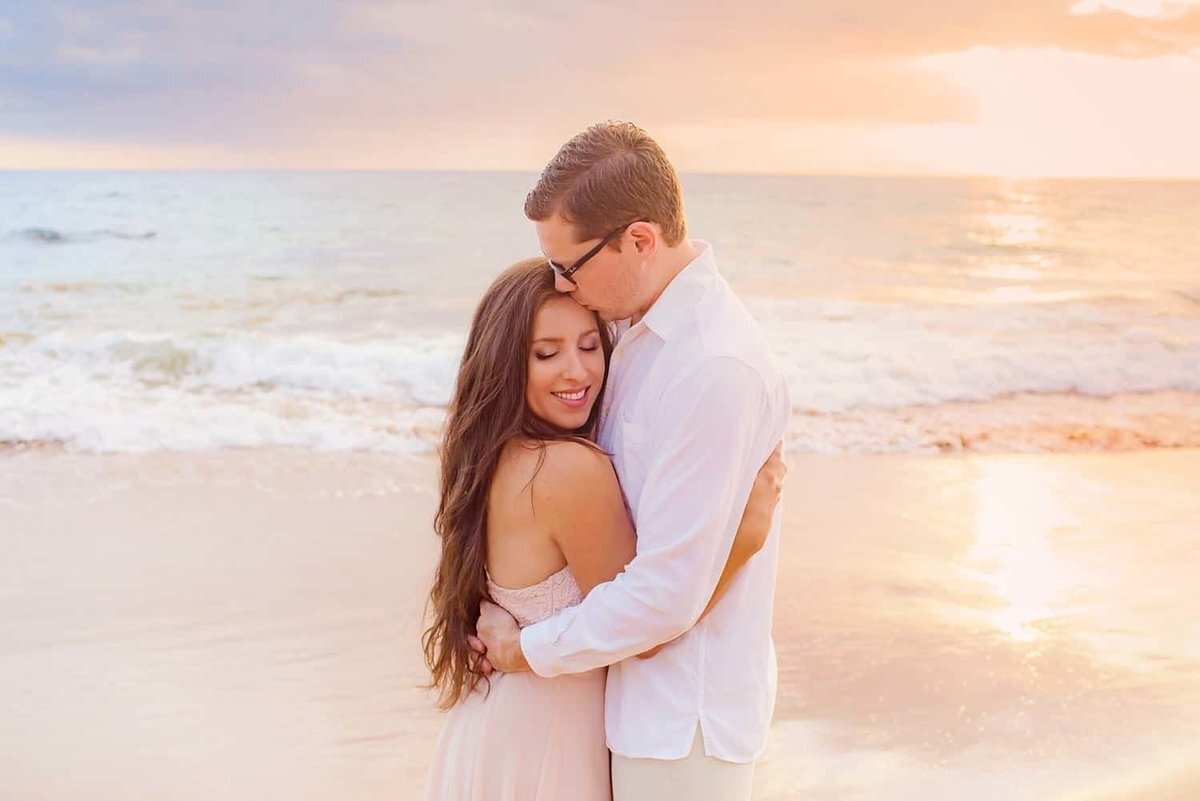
<point>608,283</point>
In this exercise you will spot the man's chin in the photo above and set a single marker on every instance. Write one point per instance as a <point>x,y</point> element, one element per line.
<point>605,315</point>
<point>609,315</point>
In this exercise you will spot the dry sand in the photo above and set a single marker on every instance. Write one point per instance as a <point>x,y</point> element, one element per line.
<point>244,624</point>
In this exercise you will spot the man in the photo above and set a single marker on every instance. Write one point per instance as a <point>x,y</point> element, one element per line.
<point>694,405</point>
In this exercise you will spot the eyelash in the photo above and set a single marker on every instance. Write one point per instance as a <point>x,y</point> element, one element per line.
<point>541,357</point>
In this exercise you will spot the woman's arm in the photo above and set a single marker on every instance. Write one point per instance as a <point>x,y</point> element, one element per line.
<point>756,522</point>
<point>577,500</point>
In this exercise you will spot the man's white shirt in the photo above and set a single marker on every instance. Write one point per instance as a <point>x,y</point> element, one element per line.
<point>693,406</point>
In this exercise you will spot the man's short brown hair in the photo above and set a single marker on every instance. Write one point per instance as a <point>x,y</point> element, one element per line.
<point>607,176</point>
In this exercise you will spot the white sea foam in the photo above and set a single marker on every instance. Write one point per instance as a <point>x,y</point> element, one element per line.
<point>413,371</point>
<point>120,391</point>
<point>154,311</point>
<point>845,362</point>
<point>840,356</point>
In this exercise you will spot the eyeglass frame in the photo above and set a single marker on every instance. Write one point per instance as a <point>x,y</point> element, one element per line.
<point>567,272</point>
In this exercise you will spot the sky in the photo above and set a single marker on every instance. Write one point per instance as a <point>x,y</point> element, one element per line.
<point>1107,88</point>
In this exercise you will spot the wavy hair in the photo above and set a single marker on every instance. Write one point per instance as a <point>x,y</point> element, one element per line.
<point>488,410</point>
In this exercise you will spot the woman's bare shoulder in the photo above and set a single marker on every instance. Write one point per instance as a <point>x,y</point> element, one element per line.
<point>554,460</point>
<point>549,471</point>
<point>572,462</point>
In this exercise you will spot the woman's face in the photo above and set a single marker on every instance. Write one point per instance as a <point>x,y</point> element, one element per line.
<point>566,364</point>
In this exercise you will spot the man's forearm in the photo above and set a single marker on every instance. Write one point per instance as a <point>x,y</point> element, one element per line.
<point>738,557</point>
<point>642,625</point>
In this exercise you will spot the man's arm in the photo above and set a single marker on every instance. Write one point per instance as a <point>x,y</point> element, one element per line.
<point>598,541</point>
<point>752,531</point>
<point>707,442</point>
<point>755,526</point>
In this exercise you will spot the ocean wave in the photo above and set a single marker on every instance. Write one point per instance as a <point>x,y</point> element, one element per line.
<point>416,371</point>
<point>43,235</point>
<point>837,355</point>
<point>81,287</point>
<point>165,419</point>
<point>1189,295</point>
<point>856,371</point>
<point>51,236</point>
<point>85,416</point>
<point>842,355</point>
<point>272,297</point>
<point>1055,423</point>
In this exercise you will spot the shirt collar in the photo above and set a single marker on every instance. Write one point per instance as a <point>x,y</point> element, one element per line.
<point>678,300</point>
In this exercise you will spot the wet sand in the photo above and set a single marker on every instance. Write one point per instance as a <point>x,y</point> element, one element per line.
<point>244,624</point>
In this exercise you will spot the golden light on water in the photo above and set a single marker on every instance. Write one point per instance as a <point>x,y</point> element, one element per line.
<point>1016,222</point>
<point>1013,230</point>
<point>1013,555</point>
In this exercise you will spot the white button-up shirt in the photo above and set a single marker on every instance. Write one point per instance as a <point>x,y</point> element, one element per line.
<point>693,407</point>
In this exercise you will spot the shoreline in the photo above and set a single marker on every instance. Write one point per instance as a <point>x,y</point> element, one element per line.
<point>1034,423</point>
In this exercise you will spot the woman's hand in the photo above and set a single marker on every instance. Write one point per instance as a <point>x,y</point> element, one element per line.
<point>760,507</point>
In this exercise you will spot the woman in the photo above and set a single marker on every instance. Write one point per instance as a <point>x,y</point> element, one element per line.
<point>532,517</point>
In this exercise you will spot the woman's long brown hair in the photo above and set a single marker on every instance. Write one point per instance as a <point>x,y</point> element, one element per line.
<point>487,411</point>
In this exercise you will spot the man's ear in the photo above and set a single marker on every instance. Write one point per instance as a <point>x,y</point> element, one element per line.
<point>645,238</point>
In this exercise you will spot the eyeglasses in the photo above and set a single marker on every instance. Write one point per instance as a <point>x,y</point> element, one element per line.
<point>567,272</point>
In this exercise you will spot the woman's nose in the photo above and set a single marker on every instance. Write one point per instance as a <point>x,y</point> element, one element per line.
<point>573,366</point>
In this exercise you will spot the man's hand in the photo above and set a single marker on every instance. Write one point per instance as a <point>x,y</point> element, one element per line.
<point>501,639</point>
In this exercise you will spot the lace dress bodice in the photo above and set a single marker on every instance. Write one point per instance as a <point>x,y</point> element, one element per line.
<point>537,602</point>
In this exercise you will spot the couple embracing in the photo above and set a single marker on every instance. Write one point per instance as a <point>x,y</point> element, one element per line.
<point>601,611</point>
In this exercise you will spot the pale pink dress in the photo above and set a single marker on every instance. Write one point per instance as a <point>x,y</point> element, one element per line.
<point>529,739</point>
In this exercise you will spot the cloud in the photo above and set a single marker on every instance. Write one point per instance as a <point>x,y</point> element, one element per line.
<point>254,73</point>
<point>880,29</point>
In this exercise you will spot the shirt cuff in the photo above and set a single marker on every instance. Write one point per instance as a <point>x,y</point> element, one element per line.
<point>536,645</point>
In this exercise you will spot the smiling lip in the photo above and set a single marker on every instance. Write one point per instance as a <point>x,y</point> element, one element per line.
<point>578,397</point>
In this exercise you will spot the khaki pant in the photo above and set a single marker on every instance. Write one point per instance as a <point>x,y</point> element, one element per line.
<point>696,777</point>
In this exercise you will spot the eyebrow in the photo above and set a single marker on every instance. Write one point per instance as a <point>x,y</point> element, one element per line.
<point>565,262</point>
<point>560,339</point>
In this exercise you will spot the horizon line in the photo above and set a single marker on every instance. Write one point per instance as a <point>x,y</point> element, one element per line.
<point>1115,177</point>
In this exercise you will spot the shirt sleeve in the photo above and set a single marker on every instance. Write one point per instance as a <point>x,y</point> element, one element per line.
<point>705,447</point>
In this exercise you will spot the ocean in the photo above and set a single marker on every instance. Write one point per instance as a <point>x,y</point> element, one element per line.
<point>160,311</point>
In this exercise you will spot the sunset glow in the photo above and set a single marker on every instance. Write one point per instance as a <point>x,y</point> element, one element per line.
<point>1031,88</point>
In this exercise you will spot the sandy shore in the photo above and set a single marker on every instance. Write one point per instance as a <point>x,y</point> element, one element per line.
<point>244,624</point>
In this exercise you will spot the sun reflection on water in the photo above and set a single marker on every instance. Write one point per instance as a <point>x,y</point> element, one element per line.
<point>1013,228</point>
<point>1015,216</point>
<point>1013,555</point>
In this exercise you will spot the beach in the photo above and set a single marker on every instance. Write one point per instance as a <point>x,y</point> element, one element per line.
<point>244,623</point>
<point>221,394</point>
<point>243,247</point>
